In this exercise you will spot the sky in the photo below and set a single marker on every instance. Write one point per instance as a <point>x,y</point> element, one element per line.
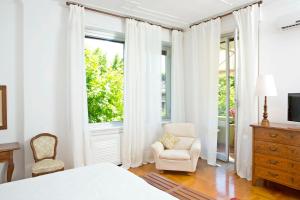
<point>109,48</point>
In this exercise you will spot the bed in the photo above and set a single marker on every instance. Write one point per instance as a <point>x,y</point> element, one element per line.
<point>97,182</point>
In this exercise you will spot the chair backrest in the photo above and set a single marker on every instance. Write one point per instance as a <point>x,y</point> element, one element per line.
<point>181,129</point>
<point>184,131</point>
<point>44,146</point>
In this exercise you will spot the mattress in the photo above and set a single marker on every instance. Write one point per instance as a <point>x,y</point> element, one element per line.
<point>97,182</point>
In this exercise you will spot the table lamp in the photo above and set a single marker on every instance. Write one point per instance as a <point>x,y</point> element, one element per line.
<point>265,86</point>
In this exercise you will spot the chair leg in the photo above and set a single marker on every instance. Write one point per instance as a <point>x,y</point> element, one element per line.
<point>161,171</point>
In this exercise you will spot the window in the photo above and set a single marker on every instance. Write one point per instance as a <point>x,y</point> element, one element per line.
<point>104,79</point>
<point>166,83</point>
<point>226,103</point>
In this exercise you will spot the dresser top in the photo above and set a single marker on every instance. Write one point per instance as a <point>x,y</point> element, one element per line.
<point>9,146</point>
<point>281,126</point>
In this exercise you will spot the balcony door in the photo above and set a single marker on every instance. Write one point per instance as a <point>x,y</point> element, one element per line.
<point>226,100</point>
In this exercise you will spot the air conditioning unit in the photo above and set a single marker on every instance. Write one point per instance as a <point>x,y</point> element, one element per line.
<point>289,21</point>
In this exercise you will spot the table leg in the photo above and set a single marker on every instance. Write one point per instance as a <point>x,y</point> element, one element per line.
<point>10,167</point>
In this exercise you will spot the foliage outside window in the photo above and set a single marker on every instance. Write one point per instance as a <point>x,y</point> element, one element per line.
<point>227,62</point>
<point>104,80</point>
<point>222,93</point>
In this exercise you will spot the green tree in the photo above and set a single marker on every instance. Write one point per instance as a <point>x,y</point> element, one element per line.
<point>104,87</point>
<point>223,92</point>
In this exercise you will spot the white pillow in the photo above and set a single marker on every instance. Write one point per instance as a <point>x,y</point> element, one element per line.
<point>169,140</point>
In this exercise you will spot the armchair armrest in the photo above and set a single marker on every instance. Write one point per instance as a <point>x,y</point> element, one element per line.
<point>195,149</point>
<point>157,148</point>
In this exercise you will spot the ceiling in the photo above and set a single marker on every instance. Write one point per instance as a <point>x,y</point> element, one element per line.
<point>177,13</point>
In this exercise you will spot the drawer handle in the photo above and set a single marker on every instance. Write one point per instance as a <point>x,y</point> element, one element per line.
<point>273,162</point>
<point>292,180</point>
<point>292,165</point>
<point>273,174</point>
<point>273,148</point>
<point>273,135</point>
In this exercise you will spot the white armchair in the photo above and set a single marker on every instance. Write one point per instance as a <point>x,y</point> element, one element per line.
<point>184,156</point>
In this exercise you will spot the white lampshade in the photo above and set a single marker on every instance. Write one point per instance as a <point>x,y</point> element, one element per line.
<point>265,86</point>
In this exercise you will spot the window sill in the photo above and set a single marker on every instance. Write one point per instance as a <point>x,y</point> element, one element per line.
<point>165,121</point>
<point>96,127</point>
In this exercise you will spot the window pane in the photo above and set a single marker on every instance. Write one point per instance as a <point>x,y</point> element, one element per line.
<point>226,103</point>
<point>232,78</point>
<point>222,80</point>
<point>104,79</point>
<point>163,92</point>
<point>166,83</point>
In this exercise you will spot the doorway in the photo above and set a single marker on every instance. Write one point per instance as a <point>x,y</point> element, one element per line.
<point>226,100</point>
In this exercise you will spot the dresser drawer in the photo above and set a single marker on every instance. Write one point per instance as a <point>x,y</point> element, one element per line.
<point>280,150</point>
<point>278,136</point>
<point>277,176</point>
<point>274,162</point>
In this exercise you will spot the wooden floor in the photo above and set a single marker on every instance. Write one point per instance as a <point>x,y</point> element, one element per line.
<point>222,183</point>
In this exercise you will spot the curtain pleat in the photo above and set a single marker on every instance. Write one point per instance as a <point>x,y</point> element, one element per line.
<point>142,92</point>
<point>77,98</point>
<point>202,61</point>
<point>177,78</point>
<point>247,71</point>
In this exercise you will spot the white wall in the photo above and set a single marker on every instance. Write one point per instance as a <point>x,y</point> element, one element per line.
<point>11,75</point>
<point>33,66</point>
<point>44,73</point>
<point>279,54</point>
<point>228,25</point>
<point>101,22</point>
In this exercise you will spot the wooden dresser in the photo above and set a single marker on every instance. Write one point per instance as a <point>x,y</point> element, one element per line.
<point>276,154</point>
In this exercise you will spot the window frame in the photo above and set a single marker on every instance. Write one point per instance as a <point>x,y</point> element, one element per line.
<point>227,38</point>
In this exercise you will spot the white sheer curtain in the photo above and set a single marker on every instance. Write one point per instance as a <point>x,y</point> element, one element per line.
<point>78,116</point>
<point>247,64</point>
<point>177,78</point>
<point>142,92</point>
<point>202,61</point>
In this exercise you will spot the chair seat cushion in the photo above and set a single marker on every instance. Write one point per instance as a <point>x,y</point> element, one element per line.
<point>47,165</point>
<point>175,155</point>
<point>184,143</point>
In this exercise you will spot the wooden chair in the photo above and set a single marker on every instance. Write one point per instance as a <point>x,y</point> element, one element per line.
<point>44,152</point>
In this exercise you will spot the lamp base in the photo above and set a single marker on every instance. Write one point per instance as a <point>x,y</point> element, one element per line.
<point>265,122</point>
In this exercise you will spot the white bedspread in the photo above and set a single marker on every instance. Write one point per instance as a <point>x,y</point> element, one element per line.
<point>98,182</point>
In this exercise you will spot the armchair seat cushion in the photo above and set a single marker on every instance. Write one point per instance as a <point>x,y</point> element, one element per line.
<point>47,165</point>
<point>175,155</point>
<point>184,143</point>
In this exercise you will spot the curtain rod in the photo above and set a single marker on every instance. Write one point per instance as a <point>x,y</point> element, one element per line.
<point>226,13</point>
<point>122,16</point>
